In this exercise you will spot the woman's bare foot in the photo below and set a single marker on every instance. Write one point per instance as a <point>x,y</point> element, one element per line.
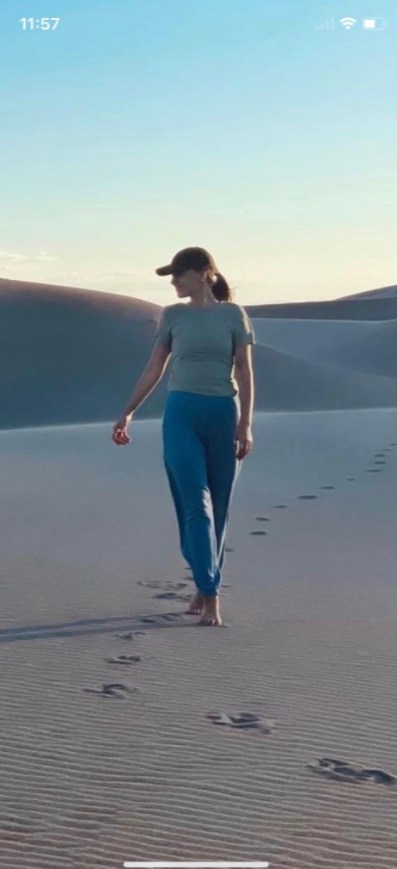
<point>196,606</point>
<point>211,614</point>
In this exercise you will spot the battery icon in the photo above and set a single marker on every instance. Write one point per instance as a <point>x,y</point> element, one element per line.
<point>374,23</point>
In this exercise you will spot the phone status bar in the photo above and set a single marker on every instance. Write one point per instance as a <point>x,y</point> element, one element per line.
<point>349,23</point>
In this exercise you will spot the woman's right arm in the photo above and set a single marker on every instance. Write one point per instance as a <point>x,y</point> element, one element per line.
<point>149,378</point>
<point>145,385</point>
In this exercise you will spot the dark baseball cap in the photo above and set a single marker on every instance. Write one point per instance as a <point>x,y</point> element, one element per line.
<point>189,258</point>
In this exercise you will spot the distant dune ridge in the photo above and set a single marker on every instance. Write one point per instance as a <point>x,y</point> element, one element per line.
<point>73,356</point>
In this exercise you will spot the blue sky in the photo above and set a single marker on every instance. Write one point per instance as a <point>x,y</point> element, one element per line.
<point>139,127</point>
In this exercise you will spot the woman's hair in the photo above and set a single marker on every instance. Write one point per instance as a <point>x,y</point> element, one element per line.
<point>221,289</point>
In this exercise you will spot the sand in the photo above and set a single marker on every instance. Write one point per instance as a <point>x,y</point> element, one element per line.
<point>308,652</point>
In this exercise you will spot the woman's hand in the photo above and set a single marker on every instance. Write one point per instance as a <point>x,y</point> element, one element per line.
<point>244,439</point>
<point>120,435</point>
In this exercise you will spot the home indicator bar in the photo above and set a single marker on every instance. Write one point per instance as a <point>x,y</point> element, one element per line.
<point>194,864</point>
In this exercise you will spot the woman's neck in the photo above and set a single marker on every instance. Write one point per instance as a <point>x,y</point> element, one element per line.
<point>206,304</point>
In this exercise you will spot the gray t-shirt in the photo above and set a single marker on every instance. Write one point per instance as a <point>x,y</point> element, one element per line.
<point>202,343</point>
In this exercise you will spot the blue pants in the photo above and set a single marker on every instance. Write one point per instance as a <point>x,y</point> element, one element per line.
<point>199,454</point>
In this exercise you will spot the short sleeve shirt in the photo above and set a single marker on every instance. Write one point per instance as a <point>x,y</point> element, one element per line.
<point>202,344</point>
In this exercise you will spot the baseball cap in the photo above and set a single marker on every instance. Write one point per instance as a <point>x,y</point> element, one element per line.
<point>189,258</point>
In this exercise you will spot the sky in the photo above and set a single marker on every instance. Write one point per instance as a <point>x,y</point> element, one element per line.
<point>262,130</point>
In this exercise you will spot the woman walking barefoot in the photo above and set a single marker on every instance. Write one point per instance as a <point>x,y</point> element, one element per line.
<point>196,606</point>
<point>206,426</point>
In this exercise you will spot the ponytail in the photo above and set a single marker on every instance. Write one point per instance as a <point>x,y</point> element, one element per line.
<point>221,290</point>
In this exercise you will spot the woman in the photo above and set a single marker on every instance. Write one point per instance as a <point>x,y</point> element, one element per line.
<point>202,422</point>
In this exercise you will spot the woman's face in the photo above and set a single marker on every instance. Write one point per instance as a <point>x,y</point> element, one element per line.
<point>187,282</point>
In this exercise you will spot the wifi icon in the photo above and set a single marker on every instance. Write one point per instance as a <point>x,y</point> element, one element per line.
<point>348,22</point>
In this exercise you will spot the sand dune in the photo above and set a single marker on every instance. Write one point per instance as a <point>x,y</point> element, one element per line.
<point>382,293</point>
<point>73,356</point>
<point>361,346</point>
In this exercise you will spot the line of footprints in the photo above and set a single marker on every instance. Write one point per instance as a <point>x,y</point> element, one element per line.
<point>336,769</point>
<point>380,460</point>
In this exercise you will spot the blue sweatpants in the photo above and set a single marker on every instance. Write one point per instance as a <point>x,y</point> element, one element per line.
<point>199,454</point>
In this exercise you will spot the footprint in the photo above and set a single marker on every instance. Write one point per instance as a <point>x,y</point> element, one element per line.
<point>373,471</point>
<point>262,518</point>
<point>124,659</point>
<point>351,479</point>
<point>379,455</point>
<point>380,463</point>
<point>328,487</point>
<point>341,770</point>
<point>228,549</point>
<point>112,689</point>
<point>258,532</point>
<point>307,497</point>
<point>280,506</point>
<point>159,619</point>
<point>131,635</point>
<point>243,720</point>
<point>393,445</point>
<point>161,584</point>
<point>172,595</point>
<point>379,776</point>
<point>332,768</point>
